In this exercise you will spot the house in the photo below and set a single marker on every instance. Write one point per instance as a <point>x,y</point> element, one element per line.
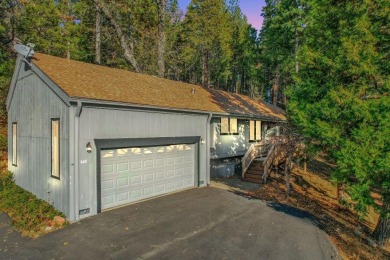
<point>88,138</point>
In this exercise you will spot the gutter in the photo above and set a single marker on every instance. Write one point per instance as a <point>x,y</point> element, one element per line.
<point>76,160</point>
<point>208,139</point>
<point>138,107</point>
<point>122,105</point>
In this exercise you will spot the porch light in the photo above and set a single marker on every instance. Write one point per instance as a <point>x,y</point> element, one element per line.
<point>202,141</point>
<point>89,147</point>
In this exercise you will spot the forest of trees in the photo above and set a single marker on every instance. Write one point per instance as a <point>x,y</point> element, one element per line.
<point>325,61</point>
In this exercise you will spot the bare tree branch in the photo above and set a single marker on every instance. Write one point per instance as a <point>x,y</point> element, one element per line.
<point>125,43</point>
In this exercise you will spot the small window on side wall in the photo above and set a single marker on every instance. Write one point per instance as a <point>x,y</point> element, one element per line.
<point>254,130</point>
<point>55,148</point>
<point>14,143</point>
<point>229,125</point>
<point>224,125</point>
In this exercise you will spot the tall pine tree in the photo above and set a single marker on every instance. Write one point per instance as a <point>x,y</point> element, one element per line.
<point>340,98</point>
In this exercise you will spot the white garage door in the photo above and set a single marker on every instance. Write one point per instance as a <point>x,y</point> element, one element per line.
<point>132,174</point>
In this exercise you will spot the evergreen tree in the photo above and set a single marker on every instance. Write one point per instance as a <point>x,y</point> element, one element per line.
<point>207,35</point>
<point>340,98</point>
<point>282,31</point>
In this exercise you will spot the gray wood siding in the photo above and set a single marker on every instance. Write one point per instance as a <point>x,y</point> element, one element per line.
<point>99,123</point>
<point>225,146</point>
<point>32,107</point>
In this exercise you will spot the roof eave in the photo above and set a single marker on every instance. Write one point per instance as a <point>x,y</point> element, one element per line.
<point>259,117</point>
<point>113,104</point>
<point>86,102</point>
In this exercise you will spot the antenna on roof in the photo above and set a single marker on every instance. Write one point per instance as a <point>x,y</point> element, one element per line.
<point>26,51</point>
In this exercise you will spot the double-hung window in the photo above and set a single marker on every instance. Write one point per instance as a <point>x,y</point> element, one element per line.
<point>229,125</point>
<point>14,143</point>
<point>55,148</point>
<point>254,130</point>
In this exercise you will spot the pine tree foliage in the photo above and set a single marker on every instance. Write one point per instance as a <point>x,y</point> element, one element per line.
<point>340,97</point>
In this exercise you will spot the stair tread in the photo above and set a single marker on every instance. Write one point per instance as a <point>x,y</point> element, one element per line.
<point>254,176</point>
<point>255,170</point>
<point>259,181</point>
<point>254,164</point>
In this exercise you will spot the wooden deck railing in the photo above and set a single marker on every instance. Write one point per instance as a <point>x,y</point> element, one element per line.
<point>268,161</point>
<point>269,146</point>
<point>253,152</point>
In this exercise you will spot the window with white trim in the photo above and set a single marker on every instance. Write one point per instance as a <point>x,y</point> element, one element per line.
<point>254,130</point>
<point>229,125</point>
<point>14,143</point>
<point>55,148</point>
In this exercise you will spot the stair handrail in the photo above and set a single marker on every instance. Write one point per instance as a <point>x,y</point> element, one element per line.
<point>268,160</point>
<point>253,152</point>
<point>277,142</point>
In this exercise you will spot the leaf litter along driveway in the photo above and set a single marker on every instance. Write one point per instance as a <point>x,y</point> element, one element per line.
<point>208,223</point>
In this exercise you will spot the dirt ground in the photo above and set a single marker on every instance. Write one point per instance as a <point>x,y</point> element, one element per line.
<point>315,193</point>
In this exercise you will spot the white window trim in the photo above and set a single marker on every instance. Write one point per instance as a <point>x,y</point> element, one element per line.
<point>56,175</point>
<point>14,144</point>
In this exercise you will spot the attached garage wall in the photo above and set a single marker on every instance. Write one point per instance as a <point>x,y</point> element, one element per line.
<point>103,123</point>
<point>32,106</point>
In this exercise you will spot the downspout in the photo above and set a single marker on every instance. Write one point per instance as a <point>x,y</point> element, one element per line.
<point>208,139</point>
<point>76,160</point>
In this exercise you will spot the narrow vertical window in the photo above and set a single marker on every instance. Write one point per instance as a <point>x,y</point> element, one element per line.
<point>251,130</point>
<point>55,148</point>
<point>14,143</point>
<point>258,130</point>
<point>224,125</point>
<point>254,130</point>
<point>233,128</point>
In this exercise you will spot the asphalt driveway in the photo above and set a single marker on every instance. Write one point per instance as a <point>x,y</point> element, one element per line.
<point>205,223</point>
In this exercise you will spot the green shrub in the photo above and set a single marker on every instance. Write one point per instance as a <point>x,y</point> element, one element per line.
<point>29,214</point>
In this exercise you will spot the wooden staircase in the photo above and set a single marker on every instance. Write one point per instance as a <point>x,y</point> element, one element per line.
<point>255,171</point>
<point>256,164</point>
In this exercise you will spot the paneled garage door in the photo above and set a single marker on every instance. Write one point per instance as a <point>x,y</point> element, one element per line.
<point>132,174</point>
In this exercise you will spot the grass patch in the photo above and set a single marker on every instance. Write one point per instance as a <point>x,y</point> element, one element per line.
<point>30,215</point>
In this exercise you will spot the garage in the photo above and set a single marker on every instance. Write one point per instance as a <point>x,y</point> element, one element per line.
<point>136,173</point>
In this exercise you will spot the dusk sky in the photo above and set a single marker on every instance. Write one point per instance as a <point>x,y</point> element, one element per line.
<point>251,8</point>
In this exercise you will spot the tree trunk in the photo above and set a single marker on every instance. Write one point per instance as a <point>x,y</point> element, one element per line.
<point>275,89</point>
<point>125,43</point>
<point>97,37</point>
<point>382,231</point>
<point>205,69</point>
<point>296,51</point>
<point>161,5</point>
<point>242,83</point>
<point>338,192</point>
<point>68,51</point>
